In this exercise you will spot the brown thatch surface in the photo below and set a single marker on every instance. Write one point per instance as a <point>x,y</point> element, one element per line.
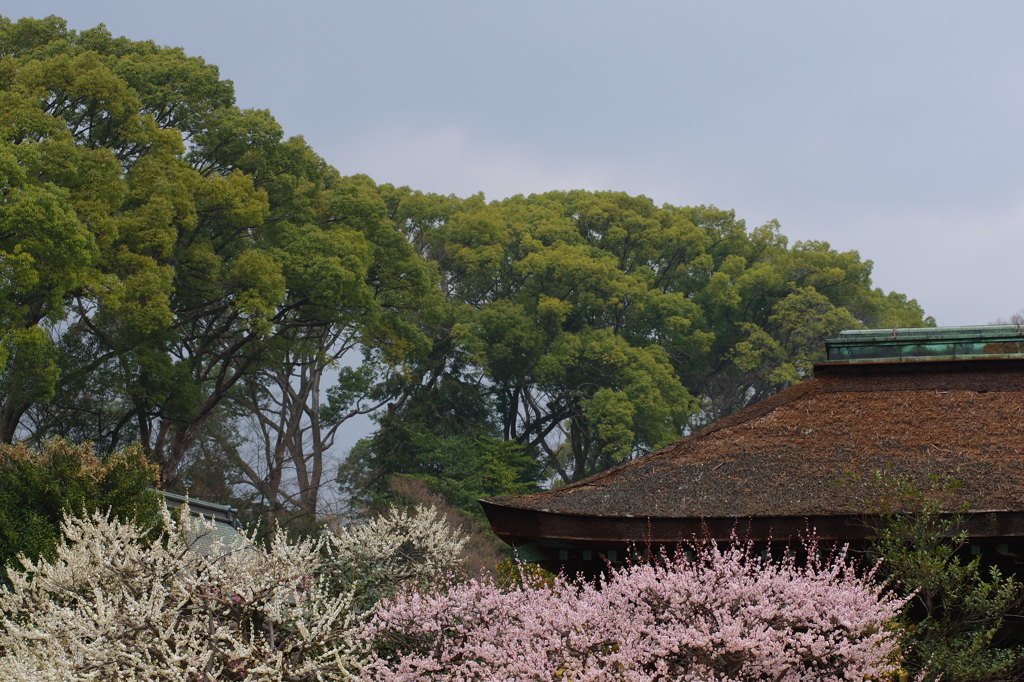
<point>793,454</point>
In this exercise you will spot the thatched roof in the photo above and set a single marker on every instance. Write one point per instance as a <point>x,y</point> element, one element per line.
<point>793,454</point>
<point>797,453</point>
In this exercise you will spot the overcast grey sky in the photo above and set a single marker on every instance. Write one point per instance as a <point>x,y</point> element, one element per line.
<point>892,128</point>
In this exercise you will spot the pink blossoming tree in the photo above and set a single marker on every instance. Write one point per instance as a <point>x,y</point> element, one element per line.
<point>725,615</point>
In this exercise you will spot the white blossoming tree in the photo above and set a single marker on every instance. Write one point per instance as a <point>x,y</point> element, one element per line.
<point>110,608</point>
<point>377,558</point>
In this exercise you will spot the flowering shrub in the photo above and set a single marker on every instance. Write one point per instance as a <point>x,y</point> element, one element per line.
<point>110,608</point>
<point>374,559</point>
<point>724,616</point>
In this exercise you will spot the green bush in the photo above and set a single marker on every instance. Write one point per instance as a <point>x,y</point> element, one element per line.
<point>39,485</point>
<point>957,608</point>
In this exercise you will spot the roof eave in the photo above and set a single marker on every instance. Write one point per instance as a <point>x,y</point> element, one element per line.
<point>517,526</point>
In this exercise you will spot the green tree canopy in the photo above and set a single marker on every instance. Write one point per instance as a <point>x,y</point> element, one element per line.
<point>595,326</point>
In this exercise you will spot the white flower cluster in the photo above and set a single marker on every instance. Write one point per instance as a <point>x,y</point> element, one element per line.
<point>110,608</point>
<point>373,560</point>
<point>400,545</point>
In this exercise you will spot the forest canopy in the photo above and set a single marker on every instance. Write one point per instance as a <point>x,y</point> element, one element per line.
<point>178,273</point>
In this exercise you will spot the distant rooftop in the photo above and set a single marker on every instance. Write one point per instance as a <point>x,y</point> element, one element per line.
<point>224,517</point>
<point>995,341</point>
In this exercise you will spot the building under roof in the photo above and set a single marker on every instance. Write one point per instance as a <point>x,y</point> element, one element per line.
<point>913,402</point>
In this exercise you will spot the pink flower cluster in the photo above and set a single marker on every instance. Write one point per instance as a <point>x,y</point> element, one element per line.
<point>725,615</point>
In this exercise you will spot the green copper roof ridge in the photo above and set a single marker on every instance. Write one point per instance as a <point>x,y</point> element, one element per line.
<point>927,343</point>
<point>967,331</point>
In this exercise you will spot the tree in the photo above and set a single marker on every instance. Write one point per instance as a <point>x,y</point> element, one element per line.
<point>438,427</point>
<point>383,555</point>
<point>1016,318</point>
<point>725,615</point>
<point>288,428</point>
<point>174,266</point>
<point>956,610</point>
<point>207,256</point>
<point>596,326</point>
<point>551,365</point>
<point>91,186</point>
<point>98,121</point>
<point>461,469</point>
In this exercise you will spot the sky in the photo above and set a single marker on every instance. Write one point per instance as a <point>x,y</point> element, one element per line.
<point>889,128</point>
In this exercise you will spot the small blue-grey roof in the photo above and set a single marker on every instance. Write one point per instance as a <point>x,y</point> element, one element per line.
<point>224,517</point>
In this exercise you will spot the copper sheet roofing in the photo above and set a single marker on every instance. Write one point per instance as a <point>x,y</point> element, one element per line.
<point>793,454</point>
